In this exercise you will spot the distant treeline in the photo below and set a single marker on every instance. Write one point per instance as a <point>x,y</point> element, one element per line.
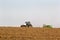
<point>28,24</point>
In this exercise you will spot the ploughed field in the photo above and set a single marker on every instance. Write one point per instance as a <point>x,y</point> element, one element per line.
<point>33,33</point>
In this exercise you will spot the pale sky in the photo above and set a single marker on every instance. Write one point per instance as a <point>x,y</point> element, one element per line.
<point>38,12</point>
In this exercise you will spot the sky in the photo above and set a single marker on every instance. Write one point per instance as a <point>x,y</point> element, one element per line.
<point>38,12</point>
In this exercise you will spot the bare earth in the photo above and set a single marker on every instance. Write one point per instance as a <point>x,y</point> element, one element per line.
<point>18,33</point>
